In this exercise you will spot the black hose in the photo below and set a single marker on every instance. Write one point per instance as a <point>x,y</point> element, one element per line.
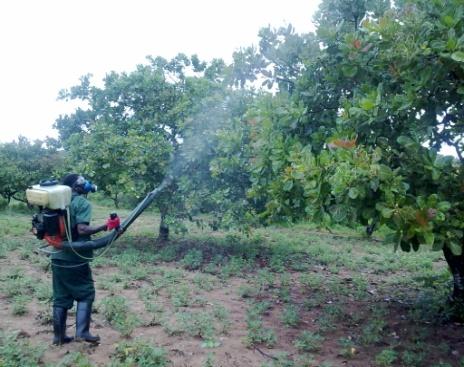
<point>114,235</point>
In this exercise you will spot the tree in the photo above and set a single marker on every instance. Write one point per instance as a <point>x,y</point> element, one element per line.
<point>356,140</point>
<point>138,122</point>
<point>24,163</point>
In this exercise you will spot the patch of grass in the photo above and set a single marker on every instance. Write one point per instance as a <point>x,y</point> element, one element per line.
<point>192,259</point>
<point>311,280</point>
<point>205,282</point>
<point>236,266</point>
<point>372,333</point>
<point>197,324</point>
<point>18,351</point>
<point>247,291</point>
<point>43,292</point>
<point>412,359</point>
<point>223,316</point>
<point>139,353</point>
<point>347,347</point>
<point>19,305</point>
<point>75,359</point>
<point>15,283</point>
<point>308,342</point>
<point>180,295</point>
<point>257,332</point>
<point>290,316</point>
<point>117,313</point>
<point>386,358</point>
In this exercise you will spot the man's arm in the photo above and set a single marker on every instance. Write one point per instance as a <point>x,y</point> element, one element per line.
<point>86,230</point>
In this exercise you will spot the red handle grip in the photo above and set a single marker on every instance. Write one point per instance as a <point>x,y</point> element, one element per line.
<point>113,222</point>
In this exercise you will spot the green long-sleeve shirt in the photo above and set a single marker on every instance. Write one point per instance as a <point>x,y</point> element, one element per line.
<point>80,213</point>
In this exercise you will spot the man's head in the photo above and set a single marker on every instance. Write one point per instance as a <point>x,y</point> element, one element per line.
<point>78,183</point>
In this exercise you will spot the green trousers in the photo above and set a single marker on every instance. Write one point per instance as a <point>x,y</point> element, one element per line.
<point>71,283</point>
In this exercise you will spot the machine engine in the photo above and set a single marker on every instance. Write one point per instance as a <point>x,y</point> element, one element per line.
<point>52,200</point>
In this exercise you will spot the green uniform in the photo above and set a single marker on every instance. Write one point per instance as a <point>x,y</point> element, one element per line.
<point>72,277</point>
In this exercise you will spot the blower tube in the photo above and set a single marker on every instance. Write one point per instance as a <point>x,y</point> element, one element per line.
<point>114,234</point>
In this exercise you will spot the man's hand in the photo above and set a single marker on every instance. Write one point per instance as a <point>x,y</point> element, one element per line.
<point>113,222</point>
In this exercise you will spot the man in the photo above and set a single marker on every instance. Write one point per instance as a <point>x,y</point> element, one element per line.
<point>72,277</point>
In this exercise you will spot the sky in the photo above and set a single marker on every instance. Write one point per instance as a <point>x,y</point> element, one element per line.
<point>47,45</point>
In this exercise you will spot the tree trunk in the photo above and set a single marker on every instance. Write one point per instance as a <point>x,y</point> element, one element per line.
<point>456,264</point>
<point>163,228</point>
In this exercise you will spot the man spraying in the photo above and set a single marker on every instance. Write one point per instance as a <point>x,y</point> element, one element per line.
<point>71,273</point>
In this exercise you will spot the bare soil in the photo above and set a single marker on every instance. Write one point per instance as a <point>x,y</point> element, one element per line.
<point>443,342</point>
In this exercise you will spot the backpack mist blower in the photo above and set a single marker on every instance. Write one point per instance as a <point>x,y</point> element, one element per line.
<point>52,222</point>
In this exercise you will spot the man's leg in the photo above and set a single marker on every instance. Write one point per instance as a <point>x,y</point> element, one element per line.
<point>84,293</point>
<point>62,302</point>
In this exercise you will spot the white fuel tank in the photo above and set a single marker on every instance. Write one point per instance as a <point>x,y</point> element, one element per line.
<point>51,197</point>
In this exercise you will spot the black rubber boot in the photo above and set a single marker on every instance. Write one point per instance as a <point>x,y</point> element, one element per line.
<point>83,312</point>
<point>59,326</point>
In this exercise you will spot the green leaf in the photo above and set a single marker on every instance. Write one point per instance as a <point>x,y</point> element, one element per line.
<point>288,185</point>
<point>429,238</point>
<point>353,193</point>
<point>367,104</point>
<point>386,212</point>
<point>349,70</point>
<point>447,20</point>
<point>458,56</point>
<point>455,248</point>
<point>405,141</point>
<point>444,206</point>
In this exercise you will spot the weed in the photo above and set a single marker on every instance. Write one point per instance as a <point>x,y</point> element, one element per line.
<point>297,262</point>
<point>192,259</point>
<point>75,359</point>
<point>236,266</point>
<point>412,359</point>
<point>43,292</point>
<point>247,291</point>
<point>171,327</point>
<point>316,300</point>
<point>17,351</point>
<point>281,360</point>
<point>260,308</point>
<point>348,349</point>
<point>168,254</point>
<point>290,316</point>
<point>171,276</point>
<point>139,353</point>
<point>257,333</point>
<point>386,358</point>
<point>205,282</point>
<point>116,312</point>
<point>308,341</point>
<point>360,285</point>
<point>265,280</point>
<point>311,280</point>
<point>222,315</point>
<point>197,324</point>
<point>16,284</point>
<point>19,306</point>
<point>209,361</point>
<point>372,332</point>
<point>180,295</point>
<point>139,272</point>
<point>277,263</point>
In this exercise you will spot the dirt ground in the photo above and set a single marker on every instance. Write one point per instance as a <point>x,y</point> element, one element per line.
<point>322,309</point>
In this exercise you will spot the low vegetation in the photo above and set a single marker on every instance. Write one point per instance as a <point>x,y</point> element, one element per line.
<point>312,298</point>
